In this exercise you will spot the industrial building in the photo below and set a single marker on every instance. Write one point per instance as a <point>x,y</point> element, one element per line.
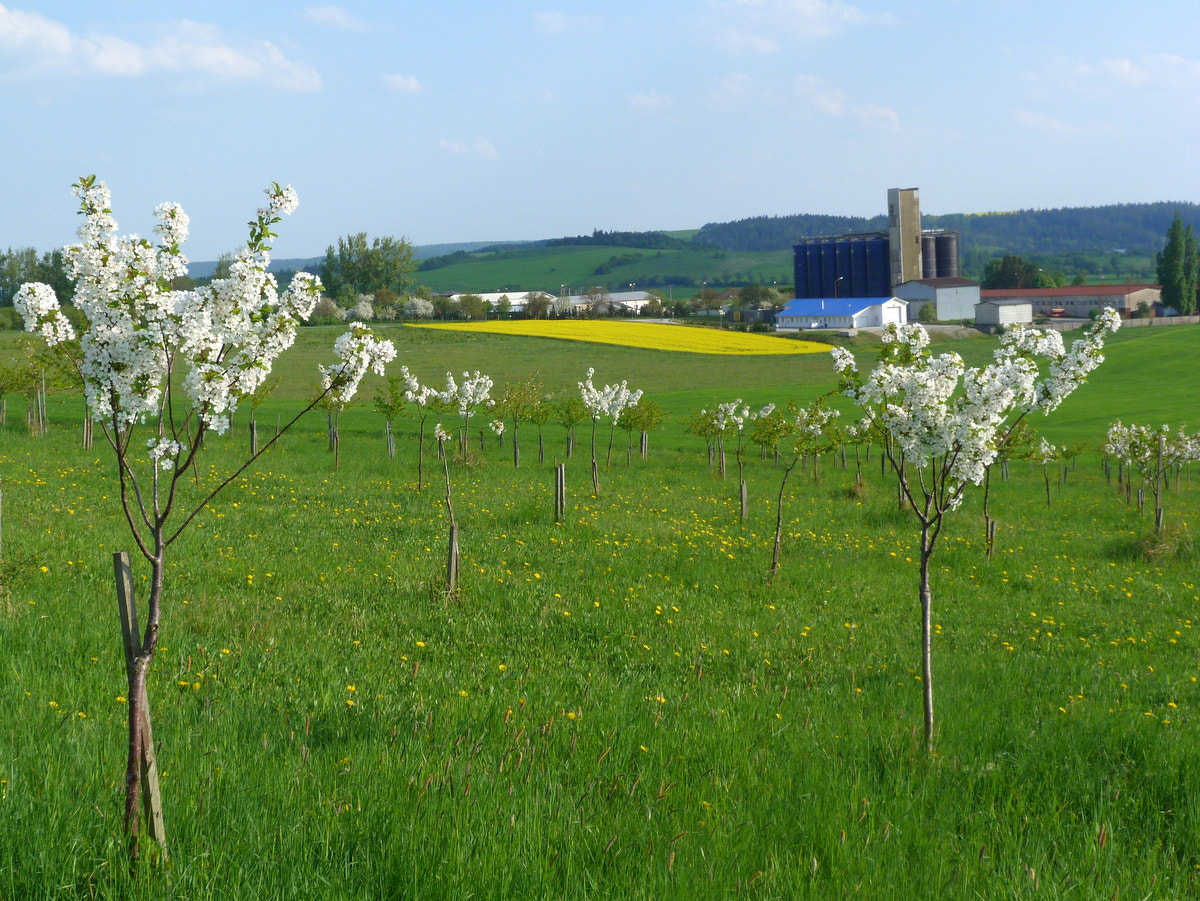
<point>1078,301</point>
<point>843,313</point>
<point>872,265</point>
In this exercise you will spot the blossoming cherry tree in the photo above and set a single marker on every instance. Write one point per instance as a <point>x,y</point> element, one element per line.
<point>161,368</point>
<point>942,424</point>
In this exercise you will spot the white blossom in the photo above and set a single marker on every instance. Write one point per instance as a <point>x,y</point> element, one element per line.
<point>39,307</point>
<point>226,335</point>
<point>610,401</point>
<point>935,408</point>
<point>164,452</point>
<point>358,351</point>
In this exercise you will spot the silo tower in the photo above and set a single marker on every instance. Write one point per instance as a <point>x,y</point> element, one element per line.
<point>904,234</point>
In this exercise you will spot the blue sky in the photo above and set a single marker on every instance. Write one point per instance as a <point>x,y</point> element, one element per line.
<point>462,121</point>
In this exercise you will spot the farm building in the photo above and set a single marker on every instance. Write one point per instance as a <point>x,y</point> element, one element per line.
<point>952,298</point>
<point>841,313</point>
<point>1077,301</point>
<point>1001,312</point>
<point>871,265</point>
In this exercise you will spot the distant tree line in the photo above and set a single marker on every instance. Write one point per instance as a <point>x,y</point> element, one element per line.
<point>1128,227</point>
<point>643,240</point>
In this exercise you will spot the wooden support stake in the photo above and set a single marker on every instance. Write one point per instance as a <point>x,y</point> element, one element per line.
<point>452,561</point>
<point>560,492</point>
<point>151,793</point>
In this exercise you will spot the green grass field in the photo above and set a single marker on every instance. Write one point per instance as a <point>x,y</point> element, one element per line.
<point>621,705</point>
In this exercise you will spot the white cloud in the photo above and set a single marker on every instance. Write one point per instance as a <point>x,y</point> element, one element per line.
<point>33,45</point>
<point>555,21</point>
<point>1151,71</point>
<point>336,17</point>
<point>1040,122</point>
<point>757,26</point>
<point>876,116</point>
<point>829,100</point>
<point>651,102</point>
<point>730,92</point>
<point>479,147</point>
<point>403,84</point>
<point>738,41</point>
<point>823,96</point>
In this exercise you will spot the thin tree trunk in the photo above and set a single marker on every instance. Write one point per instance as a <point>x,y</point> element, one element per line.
<point>141,766</point>
<point>421,455</point>
<point>927,634</point>
<point>787,471</point>
<point>452,543</point>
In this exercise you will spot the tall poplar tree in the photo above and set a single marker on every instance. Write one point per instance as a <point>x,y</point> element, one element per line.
<point>1178,268</point>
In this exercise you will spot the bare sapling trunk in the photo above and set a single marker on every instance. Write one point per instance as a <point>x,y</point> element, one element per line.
<point>595,466</point>
<point>775,549</point>
<point>743,495</point>
<point>927,542</point>
<point>421,455</point>
<point>142,795</point>
<point>452,544</point>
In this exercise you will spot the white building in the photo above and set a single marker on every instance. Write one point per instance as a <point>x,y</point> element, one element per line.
<point>841,313</point>
<point>1002,312</point>
<point>952,298</point>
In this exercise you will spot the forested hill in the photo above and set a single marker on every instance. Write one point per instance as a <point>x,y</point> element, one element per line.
<point>1133,227</point>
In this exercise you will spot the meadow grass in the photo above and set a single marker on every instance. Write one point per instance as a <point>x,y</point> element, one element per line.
<point>618,706</point>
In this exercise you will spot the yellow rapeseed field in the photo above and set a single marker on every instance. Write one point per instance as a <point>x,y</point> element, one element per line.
<point>652,335</point>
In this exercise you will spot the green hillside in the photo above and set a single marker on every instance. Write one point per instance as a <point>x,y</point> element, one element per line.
<point>614,268</point>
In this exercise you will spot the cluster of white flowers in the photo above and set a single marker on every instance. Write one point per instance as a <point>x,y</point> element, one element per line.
<point>812,423</point>
<point>936,408</point>
<point>38,306</point>
<point>497,426</point>
<point>414,391</point>
<point>610,401</point>
<point>358,351</point>
<point>1150,450</point>
<point>165,452</point>
<point>1045,452</point>
<point>474,392</point>
<point>228,334</point>
<point>735,414</point>
<point>440,433</point>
